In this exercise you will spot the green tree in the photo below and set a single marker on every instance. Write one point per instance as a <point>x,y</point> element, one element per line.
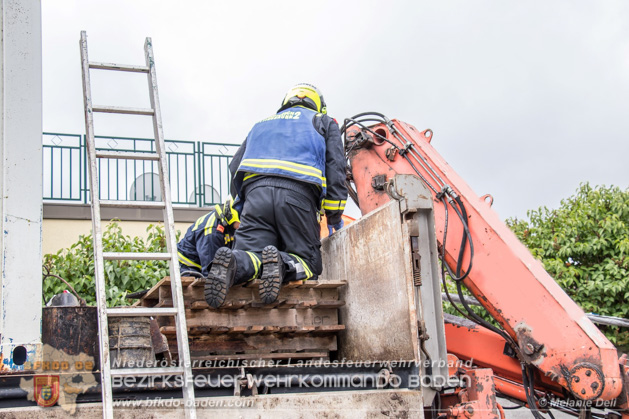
<point>584,245</point>
<point>76,265</point>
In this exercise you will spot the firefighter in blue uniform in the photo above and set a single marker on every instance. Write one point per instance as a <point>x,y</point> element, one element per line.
<point>289,169</point>
<point>209,233</point>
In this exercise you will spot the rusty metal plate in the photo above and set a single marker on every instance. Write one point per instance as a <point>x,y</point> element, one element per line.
<point>380,317</point>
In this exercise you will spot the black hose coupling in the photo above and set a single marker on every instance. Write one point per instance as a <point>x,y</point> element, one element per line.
<point>404,150</point>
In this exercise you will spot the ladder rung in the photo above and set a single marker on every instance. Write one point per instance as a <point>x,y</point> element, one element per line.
<point>133,204</point>
<point>126,372</point>
<point>141,311</point>
<point>129,155</point>
<point>119,67</point>
<point>136,256</point>
<point>123,110</point>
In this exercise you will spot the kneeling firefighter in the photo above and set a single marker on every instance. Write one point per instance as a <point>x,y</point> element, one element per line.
<point>209,233</point>
<point>289,168</point>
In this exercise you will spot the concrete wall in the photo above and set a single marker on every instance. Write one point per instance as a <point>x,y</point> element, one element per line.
<point>61,234</point>
<point>64,223</point>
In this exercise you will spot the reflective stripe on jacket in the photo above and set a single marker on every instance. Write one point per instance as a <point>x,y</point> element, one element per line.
<point>201,241</point>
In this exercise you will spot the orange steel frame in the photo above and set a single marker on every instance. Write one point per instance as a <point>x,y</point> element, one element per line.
<point>552,332</point>
<point>486,349</point>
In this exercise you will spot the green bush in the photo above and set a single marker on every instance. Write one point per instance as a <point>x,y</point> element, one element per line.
<point>584,246</point>
<point>76,265</point>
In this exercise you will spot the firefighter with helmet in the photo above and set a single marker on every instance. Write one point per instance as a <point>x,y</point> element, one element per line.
<point>209,233</point>
<point>289,169</point>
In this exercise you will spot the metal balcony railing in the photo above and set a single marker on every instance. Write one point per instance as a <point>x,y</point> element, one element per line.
<point>198,171</point>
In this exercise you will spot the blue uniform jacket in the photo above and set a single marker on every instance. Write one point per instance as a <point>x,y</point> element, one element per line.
<point>300,144</point>
<point>197,248</point>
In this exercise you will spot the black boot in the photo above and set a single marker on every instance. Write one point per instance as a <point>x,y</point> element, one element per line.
<point>220,278</point>
<point>272,274</point>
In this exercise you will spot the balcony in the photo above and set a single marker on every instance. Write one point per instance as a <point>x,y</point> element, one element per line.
<point>198,171</point>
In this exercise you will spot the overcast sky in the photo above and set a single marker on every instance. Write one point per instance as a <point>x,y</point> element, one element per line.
<point>526,99</point>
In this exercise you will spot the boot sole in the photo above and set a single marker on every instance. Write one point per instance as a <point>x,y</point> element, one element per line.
<point>217,283</point>
<point>271,275</point>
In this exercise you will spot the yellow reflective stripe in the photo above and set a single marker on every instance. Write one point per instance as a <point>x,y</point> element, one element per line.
<point>249,176</point>
<point>306,268</point>
<point>209,224</point>
<point>333,205</point>
<point>228,239</point>
<point>256,264</point>
<point>314,170</point>
<point>188,262</point>
<point>284,165</point>
<point>199,221</point>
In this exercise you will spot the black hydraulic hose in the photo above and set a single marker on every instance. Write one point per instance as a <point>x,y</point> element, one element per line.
<point>353,122</point>
<point>354,119</point>
<point>366,128</point>
<point>463,239</point>
<point>443,265</point>
<point>466,237</point>
<point>352,193</point>
<point>530,397</point>
<point>378,114</point>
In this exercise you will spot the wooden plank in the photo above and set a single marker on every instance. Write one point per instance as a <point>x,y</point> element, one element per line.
<point>304,329</point>
<point>260,304</point>
<point>185,281</point>
<point>237,304</point>
<point>219,330</point>
<point>168,330</point>
<point>329,304</point>
<point>252,284</point>
<point>289,303</point>
<point>199,305</point>
<point>246,304</point>
<point>330,284</point>
<point>263,317</point>
<point>254,329</point>
<point>153,293</point>
<point>280,355</point>
<point>288,329</point>
<point>164,293</point>
<point>292,284</point>
<point>262,343</point>
<point>319,330</point>
<point>270,329</point>
<point>307,304</point>
<point>309,284</point>
<point>240,293</point>
<point>237,330</point>
<point>201,330</point>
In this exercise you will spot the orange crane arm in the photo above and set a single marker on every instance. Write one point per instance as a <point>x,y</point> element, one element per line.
<point>550,330</point>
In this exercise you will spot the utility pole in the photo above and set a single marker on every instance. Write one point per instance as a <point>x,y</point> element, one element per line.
<point>20,183</point>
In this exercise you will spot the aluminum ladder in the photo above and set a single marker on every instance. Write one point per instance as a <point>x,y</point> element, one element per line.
<point>184,367</point>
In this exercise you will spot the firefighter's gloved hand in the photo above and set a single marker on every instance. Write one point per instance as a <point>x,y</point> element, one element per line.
<point>335,227</point>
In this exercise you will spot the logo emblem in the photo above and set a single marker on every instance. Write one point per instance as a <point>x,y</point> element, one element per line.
<point>46,390</point>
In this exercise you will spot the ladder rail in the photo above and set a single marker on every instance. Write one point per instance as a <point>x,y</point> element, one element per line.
<point>169,227</point>
<point>99,264</point>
